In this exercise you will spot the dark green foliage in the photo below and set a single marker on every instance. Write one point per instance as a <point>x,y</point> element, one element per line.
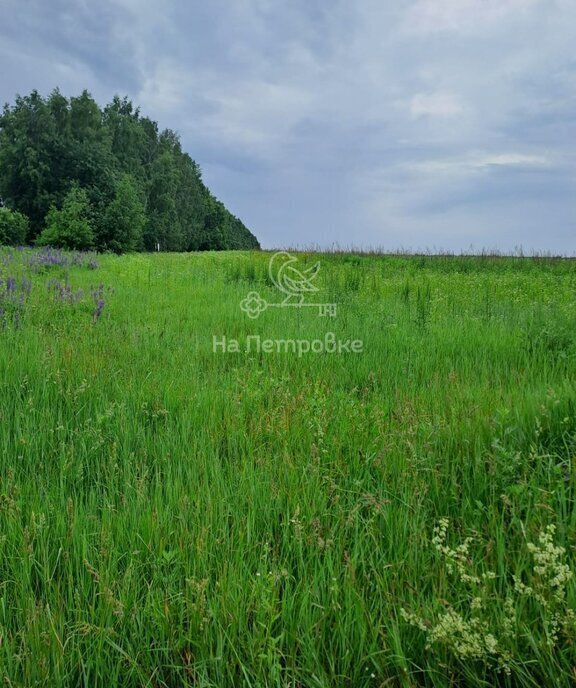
<point>131,173</point>
<point>124,220</point>
<point>13,227</point>
<point>69,227</point>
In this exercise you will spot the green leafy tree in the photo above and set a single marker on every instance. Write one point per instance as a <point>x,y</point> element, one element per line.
<point>26,133</point>
<point>49,145</point>
<point>125,219</point>
<point>164,222</point>
<point>13,227</point>
<point>70,226</point>
<point>215,219</point>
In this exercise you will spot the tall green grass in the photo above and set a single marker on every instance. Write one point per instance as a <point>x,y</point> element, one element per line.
<point>172,516</point>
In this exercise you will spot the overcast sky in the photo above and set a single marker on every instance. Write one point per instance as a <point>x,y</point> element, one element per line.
<point>439,124</point>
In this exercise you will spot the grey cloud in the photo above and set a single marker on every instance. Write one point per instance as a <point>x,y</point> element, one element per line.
<point>354,123</point>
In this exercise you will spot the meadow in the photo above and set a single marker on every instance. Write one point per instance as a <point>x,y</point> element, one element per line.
<point>174,515</point>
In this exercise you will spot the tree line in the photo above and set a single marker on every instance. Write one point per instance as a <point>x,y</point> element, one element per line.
<point>73,175</point>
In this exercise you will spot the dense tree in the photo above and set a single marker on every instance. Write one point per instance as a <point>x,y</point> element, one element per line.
<point>213,234</point>
<point>70,226</point>
<point>139,188</point>
<point>125,219</point>
<point>26,138</point>
<point>13,227</point>
<point>163,219</point>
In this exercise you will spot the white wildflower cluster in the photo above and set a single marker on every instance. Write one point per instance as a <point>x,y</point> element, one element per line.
<point>484,626</point>
<point>509,619</point>
<point>468,639</point>
<point>467,636</point>
<point>549,566</point>
<point>413,620</point>
<point>457,559</point>
<point>548,588</point>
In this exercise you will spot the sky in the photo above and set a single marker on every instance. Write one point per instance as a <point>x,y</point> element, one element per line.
<point>401,124</point>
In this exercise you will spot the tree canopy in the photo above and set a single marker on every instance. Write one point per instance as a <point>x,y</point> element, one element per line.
<point>69,227</point>
<point>105,178</point>
<point>13,227</point>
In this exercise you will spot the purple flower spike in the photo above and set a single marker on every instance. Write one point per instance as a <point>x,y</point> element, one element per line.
<point>98,310</point>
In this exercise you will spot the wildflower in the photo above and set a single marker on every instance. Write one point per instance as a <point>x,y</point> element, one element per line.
<point>476,603</point>
<point>12,300</point>
<point>98,310</point>
<point>549,566</point>
<point>413,620</point>
<point>99,302</point>
<point>484,627</point>
<point>457,560</point>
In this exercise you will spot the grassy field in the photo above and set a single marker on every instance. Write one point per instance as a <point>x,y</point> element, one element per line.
<point>174,515</point>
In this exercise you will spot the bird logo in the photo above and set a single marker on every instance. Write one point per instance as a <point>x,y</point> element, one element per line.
<point>293,282</point>
<point>289,279</point>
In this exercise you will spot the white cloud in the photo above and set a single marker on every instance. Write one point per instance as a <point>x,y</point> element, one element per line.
<point>477,162</point>
<point>513,160</point>
<point>462,15</point>
<point>435,105</point>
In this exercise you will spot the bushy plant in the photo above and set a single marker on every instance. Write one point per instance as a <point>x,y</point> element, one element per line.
<point>70,226</point>
<point>13,227</point>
